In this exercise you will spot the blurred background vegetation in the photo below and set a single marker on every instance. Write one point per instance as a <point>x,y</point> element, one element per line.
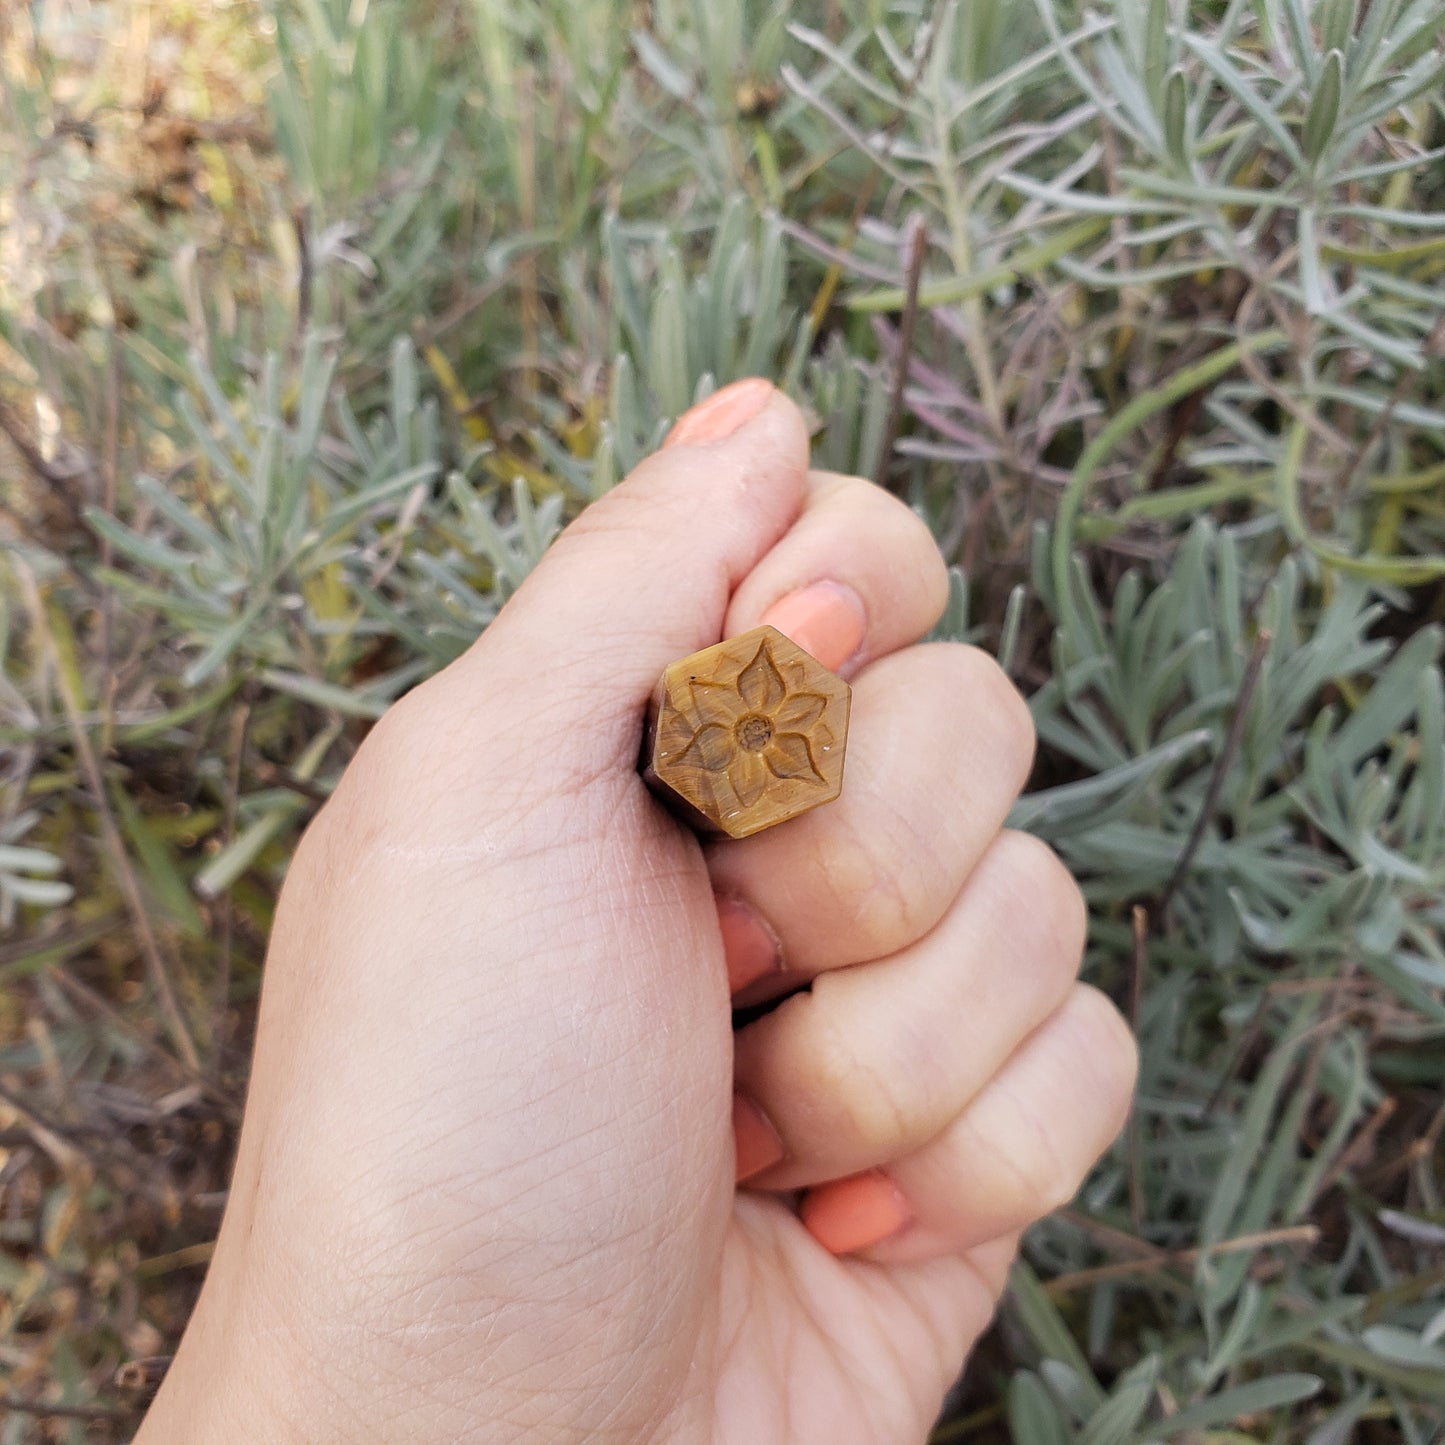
<point>319,318</point>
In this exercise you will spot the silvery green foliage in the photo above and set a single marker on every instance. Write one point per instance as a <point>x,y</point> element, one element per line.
<point>442,597</point>
<point>28,875</point>
<point>1323,865</point>
<point>279,502</point>
<point>532,188</point>
<point>678,332</point>
<point>368,120</point>
<point>1147,149</point>
<point>678,336</point>
<point>1155,676</point>
<point>1278,115</point>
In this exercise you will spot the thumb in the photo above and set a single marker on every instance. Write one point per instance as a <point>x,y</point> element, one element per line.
<point>643,577</point>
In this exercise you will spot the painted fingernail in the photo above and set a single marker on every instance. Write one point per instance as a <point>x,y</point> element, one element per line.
<point>749,946</point>
<point>825,619</point>
<point>756,1141</point>
<point>721,414</point>
<point>856,1213</point>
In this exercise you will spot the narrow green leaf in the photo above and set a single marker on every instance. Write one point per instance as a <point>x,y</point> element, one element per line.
<point>1324,108</point>
<point>345,514</point>
<point>175,511</point>
<point>1236,1172</point>
<point>1428,1384</point>
<point>1244,90</point>
<point>1191,378</point>
<point>1301,42</point>
<point>1391,701</point>
<point>1337,23</point>
<point>668,370</point>
<point>138,548</point>
<point>1237,1336</point>
<point>222,645</point>
<point>1032,1414</point>
<point>1113,1423</point>
<point>53,949</point>
<point>1054,807</point>
<point>1339,1428</point>
<point>1229,1406</point>
<point>159,867</point>
<point>315,690</point>
<point>15,859</point>
<point>1027,262</point>
<point>1430,769</point>
<point>1403,1347</point>
<point>1012,624</point>
<point>230,863</point>
<point>42,892</point>
<point>1040,1317</point>
<point>1156,51</point>
<point>192,708</point>
<point>1176,117</point>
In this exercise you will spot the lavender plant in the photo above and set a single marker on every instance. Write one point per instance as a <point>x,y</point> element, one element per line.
<point>318,321</point>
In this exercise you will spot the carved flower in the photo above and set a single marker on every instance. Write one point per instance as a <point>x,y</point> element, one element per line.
<point>755,727</point>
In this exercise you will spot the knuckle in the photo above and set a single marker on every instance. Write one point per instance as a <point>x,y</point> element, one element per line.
<point>897,531</point>
<point>909,529</point>
<point>315,859</point>
<point>1112,1051</point>
<point>1032,1178</point>
<point>929,572</point>
<point>1009,710</point>
<point>855,1083</point>
<point>396,760</point>
<point>997,724</point>
<point>864,883</point>
<point>1047,1167</point>
<point>993,696</point>
<point>406,733</point>
<point>1045,896</point>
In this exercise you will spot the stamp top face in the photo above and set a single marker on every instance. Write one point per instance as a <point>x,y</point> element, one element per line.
<point>750,732</point>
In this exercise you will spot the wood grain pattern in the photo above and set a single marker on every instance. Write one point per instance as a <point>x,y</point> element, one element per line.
<point>747,734</point>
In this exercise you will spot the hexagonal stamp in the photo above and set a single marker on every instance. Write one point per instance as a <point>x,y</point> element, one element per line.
<point>747,734</point>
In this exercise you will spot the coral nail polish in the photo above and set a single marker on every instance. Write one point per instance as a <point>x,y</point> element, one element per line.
<point>825,619</point>
<point>856,1213</point>
<point>721,414</point>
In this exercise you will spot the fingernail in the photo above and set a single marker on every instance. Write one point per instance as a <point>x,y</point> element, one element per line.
<point>722,413</point>
<point>749,946</point>
<point>755,1140</point>
<point>825,619</point>
<point>770,987</point>
<point>856,1213</point>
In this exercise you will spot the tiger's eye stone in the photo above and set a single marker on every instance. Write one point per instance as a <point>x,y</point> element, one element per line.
<point>747,734</point>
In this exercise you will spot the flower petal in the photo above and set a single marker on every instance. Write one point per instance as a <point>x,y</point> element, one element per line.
<point>789,756</point>
<point>715,702</point>
<point>748,776</point>
<point>760,683</point>
<point>711,748</point>
<point>800,711</point>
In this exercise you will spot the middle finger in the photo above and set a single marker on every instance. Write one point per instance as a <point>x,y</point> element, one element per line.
<point>939,745</point>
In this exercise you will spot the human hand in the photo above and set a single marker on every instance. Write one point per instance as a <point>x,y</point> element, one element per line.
<point>486,1182</point>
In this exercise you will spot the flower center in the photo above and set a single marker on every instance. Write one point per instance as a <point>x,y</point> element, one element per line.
<point>753,732</point>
